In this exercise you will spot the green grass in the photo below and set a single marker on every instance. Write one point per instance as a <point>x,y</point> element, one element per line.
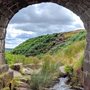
<point>11,59</point>
<point>48,73</point>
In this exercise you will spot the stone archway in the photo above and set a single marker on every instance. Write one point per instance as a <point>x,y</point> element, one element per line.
<point>81,7</point>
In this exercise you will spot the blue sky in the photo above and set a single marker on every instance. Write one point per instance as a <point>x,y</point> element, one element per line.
<point>40,19</point>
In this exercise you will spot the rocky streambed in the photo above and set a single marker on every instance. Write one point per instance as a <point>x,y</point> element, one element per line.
<point>61,85</point>
<point>18,77</point>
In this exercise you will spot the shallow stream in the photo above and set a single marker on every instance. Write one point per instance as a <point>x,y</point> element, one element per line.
<point>61,85</point>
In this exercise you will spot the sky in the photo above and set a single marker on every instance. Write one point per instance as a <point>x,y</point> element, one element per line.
<point>40,19</point>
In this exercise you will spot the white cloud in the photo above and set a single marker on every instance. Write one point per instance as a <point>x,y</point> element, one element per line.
<point>40,19</point>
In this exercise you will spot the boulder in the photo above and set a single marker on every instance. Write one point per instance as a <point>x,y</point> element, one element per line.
<point>33,66</point>
<point>5,79</point>
<point>17,74</point>
<point>22,86</point>
<point>62,71</point>
<point>25,78</point>
<point>27,71</point>
<point>16,66</point>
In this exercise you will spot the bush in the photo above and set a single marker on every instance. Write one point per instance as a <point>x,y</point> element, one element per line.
<point>68,69</point>
<point>11,59</point>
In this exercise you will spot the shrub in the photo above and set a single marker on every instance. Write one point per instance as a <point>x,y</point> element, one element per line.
<point>68,69</point>
<point>46,76</point>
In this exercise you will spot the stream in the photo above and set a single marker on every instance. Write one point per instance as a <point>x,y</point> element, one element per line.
<point>61,85</point>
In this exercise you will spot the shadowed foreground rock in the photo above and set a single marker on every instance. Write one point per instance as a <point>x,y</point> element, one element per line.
<point>6,76</point>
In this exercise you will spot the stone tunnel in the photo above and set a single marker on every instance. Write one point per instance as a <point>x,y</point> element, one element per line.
<point>8,8</point>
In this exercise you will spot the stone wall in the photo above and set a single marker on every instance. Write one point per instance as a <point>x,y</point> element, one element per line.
<point>81,7</point>
<point>86,65</point>
<point>3,24</point>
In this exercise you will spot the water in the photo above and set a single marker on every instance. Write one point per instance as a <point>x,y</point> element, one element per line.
<point>61,85</point>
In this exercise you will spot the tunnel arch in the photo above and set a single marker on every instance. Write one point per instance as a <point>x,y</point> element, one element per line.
<point>80,7</point>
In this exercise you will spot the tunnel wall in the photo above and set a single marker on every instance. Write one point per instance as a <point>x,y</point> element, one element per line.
<point>8,8</point>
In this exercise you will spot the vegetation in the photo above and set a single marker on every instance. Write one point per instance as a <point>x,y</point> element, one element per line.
<point>48,73</point>
<point>69,51</point>
<point>42,44</point>
<point>51,51</point>
<point>36,46</point>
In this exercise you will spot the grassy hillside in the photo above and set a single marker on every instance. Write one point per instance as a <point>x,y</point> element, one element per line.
<point>46,43</point>
<point>77,37</point>
<point>37,45</point>
<point>67,50</point>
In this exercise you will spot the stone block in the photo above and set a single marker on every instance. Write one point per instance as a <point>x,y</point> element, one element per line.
<point>85,17</point>
<point>87,81</point>
<point>2,58</point>
<point>4,68</point>
<point>86,66</point>
<point>87,27</point>
<point>86,55</point>
<point>3,21</point>
<point>2,46</point>
<point>88,12</point>
<point>2,32</point>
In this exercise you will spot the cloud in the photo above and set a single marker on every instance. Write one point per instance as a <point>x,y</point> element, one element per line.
<point>44,13</point>
<point>40,19</point>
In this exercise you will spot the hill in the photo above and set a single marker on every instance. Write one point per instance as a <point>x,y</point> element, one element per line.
<point>8,49</point>
<point>48,43</point>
